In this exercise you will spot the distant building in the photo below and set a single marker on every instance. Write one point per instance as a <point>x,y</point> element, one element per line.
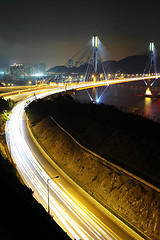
<point>70,63</point>
<point>76,64</point>
<point>29,70</point>
<point>82,63</point>
<point>17,69</point>
<point>20,70</point>
<point>39,68</point>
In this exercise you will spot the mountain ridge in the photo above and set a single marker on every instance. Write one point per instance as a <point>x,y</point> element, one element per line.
<point>129,65</point>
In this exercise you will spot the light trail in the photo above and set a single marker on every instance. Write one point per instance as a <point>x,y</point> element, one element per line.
<point>69,212</point>
<point>79,223</point>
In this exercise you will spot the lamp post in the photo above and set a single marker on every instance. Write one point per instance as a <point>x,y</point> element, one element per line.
<point>48,190</point>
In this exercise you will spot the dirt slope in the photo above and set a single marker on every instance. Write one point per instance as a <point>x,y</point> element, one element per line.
<point>133,200</point>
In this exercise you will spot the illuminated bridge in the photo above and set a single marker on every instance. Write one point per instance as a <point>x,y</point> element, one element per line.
<point>95,75</point>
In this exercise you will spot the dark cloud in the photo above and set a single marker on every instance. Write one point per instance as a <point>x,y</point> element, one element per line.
<point>52,31</point>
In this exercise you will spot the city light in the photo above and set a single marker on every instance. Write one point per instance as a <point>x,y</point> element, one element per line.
<point>38,75</point>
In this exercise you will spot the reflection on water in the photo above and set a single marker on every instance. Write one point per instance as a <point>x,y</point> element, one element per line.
<point>126,98</point>
<point>147,100</point>
<point>151,109</point>
<point>147,106</point>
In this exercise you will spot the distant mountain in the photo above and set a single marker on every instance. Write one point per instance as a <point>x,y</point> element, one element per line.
<point>130,65</point>
<point>64,69</point>
<point>59,69</point>
<point>111,66</point>
<point>134,64</point>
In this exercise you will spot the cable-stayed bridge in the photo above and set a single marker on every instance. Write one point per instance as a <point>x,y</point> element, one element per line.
<point>89,71</point>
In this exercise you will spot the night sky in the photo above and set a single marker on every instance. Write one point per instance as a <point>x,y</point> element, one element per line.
<point>52,31</point>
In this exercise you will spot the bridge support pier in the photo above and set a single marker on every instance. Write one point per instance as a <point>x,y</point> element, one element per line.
<point>148,92</point>
<point>151,63</point>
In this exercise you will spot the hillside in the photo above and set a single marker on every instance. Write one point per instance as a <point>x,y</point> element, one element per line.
<point>131,65</point>
<point>127,140</point>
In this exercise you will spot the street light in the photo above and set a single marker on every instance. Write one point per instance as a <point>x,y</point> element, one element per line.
<point>48,190</point>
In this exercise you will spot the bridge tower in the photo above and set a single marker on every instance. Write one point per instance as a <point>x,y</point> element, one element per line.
<point>95,50</point>
<point>151,49</point>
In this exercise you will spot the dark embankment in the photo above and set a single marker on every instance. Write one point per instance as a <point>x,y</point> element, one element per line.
<point>21,216</point>
<point>128,140</point>
<point>125,139</point>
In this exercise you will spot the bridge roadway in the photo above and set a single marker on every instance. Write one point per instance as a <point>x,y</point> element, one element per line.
<point>115,81</point>
<point>73,209</point>
<point>18,93</point>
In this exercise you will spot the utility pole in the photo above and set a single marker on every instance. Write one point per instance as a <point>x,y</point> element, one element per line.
<point>48,190</point>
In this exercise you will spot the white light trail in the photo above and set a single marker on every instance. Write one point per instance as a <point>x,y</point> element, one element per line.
<point>69,212</point>
<point>78,221</point>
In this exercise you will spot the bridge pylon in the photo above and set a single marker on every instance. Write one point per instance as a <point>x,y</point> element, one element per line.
<point>95,51</point>
<point>151,50</point>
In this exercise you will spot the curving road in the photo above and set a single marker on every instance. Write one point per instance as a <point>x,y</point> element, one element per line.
<point>73,209</point>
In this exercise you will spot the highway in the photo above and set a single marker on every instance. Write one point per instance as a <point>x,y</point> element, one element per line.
<point>73,209</point>
<point>18,93</point>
